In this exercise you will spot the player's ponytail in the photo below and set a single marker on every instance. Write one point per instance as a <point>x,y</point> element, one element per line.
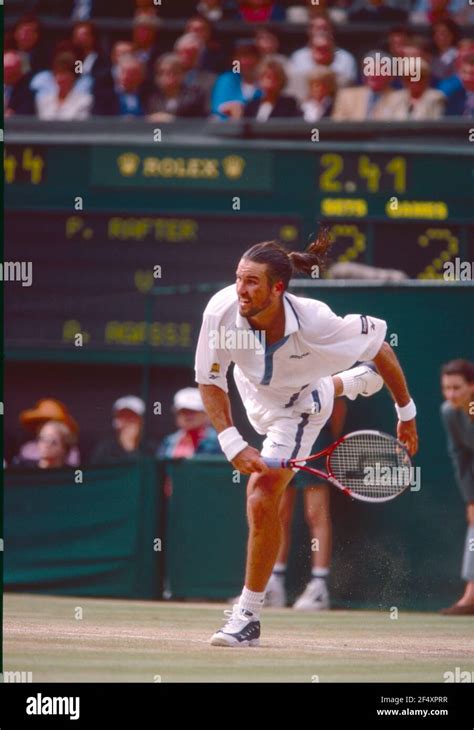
<point>315,256</point>
<point>282,265</point>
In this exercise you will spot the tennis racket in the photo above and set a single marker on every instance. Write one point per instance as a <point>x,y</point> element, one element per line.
<point>367,465</point>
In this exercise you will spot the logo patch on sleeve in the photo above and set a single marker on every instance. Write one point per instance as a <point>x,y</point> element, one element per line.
<point>365,324</point>
<point>215,367</point>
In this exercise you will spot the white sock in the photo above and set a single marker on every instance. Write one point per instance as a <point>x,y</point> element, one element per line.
<point>321,573</point>
<point>279,570</point>
<point>251,601</point>
<point>350,386</point>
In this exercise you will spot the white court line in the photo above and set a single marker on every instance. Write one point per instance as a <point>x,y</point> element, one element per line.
<point>301,645</point>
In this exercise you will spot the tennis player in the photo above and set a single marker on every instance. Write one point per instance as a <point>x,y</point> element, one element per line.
<point>286,350</point>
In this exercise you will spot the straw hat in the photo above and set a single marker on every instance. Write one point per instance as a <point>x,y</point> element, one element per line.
<point>47,409</point>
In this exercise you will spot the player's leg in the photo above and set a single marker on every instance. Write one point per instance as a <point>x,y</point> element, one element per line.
<point>318,518</point>
<point>288,437</point>
<point>275,592</point>
<point>264,492</point>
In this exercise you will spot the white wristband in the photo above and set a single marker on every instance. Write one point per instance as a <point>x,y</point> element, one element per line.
<point>231,442</point>
<point>406,413</point>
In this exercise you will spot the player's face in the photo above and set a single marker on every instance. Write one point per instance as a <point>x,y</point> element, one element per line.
<point>253,288</point>
<point>456,390</point>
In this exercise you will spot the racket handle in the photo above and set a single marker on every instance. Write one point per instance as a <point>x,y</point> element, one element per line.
<point>275,463</point>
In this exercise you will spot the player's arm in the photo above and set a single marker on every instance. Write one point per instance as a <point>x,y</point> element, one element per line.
<point>390,369</point>
<point>217,404</point>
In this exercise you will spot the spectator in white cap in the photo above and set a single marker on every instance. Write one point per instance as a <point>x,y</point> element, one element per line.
<point>195,435</point>
<point>126,442</point>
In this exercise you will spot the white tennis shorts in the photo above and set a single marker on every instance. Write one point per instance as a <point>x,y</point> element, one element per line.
<point>293,436</point>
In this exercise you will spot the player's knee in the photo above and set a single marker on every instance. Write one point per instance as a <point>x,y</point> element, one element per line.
<point>261,507</point>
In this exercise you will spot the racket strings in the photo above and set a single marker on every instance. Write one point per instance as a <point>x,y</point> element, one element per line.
<point>371,465</point>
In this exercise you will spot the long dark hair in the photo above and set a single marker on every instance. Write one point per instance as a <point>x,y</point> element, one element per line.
<point>283,264</point>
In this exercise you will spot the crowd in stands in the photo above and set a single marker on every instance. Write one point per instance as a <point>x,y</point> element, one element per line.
<point>53,440</point>
<point>201,76</point>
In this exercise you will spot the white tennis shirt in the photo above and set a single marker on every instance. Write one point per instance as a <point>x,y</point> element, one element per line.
<point>272,379</point>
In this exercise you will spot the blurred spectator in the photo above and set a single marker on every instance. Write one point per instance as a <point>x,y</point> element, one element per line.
<point>417,100</point>
<point>445,38</point>
<point>365,102</point>
<point>397,38</point>
<point>172,97</point>
<point>260,11</point>
<point>215,10</point>
<point>321,54</point>
<point>432,11</point>
<point>322,87</point>
<point>457,384</point>
<point>268,44</point>
<point>27,39</point>
<point>54,443</point>
<point>271,80</point>
<point>376,11</point>
<point>211,57</point>
<point>335,10</point>
<point>94,64</point>
<point>17,97</point>
<point>144,38</point>
<point>128,97</point>
<point>465,16</point>
<point>33,419</point>
<point>459,88</point>
<point>127,441</point>
<point>188,48</point>
<point>86,9</point>
<point>119,50</point>
<point>67,101</point>
<point>302,59</point>
<point>233,90</point>
<point>195,435</point>
<point>43,82</point>
<point>320,23</point>
<point>419,47</point>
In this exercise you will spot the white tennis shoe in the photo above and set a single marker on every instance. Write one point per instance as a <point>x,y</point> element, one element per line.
<point>241,629</point>
<point>315,597</point>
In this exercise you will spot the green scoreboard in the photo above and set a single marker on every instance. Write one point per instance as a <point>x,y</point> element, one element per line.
<point>103,224</point>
